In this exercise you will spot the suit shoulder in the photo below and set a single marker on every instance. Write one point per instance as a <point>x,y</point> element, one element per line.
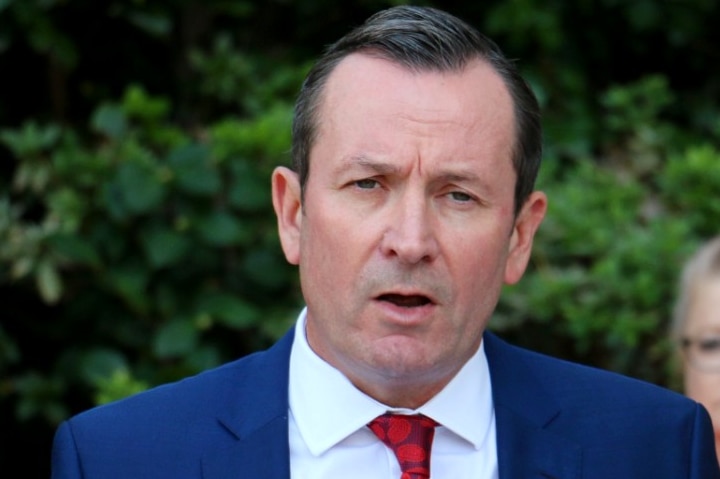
<point>242,380</point>
<point>575,382</point>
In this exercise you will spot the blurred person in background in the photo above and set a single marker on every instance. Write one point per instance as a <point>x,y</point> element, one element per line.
<point>696,329</point>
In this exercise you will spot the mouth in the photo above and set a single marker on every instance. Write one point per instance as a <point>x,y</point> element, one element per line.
<point>406,301</point>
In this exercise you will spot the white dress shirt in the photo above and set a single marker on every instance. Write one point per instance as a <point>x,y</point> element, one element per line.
<point>328,417</point>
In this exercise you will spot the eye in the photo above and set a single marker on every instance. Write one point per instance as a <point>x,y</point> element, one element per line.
<point>709,345</point>
<point>460,196</point>
<point>366,184</point>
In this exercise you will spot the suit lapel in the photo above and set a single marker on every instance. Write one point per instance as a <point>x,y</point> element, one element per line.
<point>526,452</point>
<point>257,443</point>
<point>257,446</point>
<point>524,413</point>
<point>263,454</point>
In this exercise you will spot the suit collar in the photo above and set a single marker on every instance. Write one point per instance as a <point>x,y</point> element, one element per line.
<point>524,413</point>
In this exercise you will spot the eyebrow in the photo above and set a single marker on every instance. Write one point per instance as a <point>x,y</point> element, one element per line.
<point>382,168</point>
<point>364,163</point>
<point>461,176</point>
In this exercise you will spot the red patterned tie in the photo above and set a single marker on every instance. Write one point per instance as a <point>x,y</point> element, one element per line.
<point>410,438</point>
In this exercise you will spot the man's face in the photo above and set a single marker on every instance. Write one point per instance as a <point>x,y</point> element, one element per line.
<point>407,232</point>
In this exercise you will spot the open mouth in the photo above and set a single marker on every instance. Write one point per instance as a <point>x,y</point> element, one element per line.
<point>403,301</point>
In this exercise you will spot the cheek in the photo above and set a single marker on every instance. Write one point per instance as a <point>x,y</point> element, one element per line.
<point>483,258</point>
<point>478,271</point>
<point>331,251</point>
<point>704,388</point>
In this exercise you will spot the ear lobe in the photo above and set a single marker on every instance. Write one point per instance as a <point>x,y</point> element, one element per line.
<point>288,209</point>
<point>521,241</point>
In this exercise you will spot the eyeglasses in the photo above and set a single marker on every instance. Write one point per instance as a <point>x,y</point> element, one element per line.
<point>703,353</point>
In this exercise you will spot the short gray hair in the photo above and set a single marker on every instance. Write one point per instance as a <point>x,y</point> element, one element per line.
<point>701,266</point>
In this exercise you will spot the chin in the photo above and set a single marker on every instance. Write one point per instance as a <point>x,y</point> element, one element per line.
<point>408,369</point>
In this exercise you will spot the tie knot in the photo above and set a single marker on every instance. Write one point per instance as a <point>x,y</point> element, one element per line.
<point>410,438</point>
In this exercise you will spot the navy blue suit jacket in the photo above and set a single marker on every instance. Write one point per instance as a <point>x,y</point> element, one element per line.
<point>554,420</point>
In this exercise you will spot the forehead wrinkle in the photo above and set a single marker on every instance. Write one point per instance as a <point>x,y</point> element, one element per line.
<point>379,167</point>
<point>363,162</point>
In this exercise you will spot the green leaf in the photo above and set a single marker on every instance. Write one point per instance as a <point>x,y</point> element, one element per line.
<point>193,172</point>
<point>140,188</point>
<point>48,281</point>
<point>222,229</point>
<point>229,309</point>
<point>130,283</point>
<point>249,191</point>
<point>75,249</point>
<point>203,358</point>
<point>21,267</point>
<point>39,397</point>
<point>138,104</point>
<point>266,268</point>
<point>155,24</point>
<point>100,363</point>
<point>67,207</point>
<point>163,246</point>
<point>31,139</point>
<point>176,338</point>
<point>9,351</point>
<point>109,120</point>
<point>118,385</point>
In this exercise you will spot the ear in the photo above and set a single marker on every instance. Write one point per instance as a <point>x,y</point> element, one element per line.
<point>288,209</point>
<point>521,240</point>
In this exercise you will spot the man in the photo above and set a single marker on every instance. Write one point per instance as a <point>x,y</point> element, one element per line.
<point>416,147</point>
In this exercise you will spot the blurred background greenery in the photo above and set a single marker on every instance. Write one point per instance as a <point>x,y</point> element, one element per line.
<point>137,239</point>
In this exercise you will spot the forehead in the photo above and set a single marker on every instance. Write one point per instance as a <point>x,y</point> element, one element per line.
<point>705,304</point>
<point>359,76</point>
<point>373,100</point>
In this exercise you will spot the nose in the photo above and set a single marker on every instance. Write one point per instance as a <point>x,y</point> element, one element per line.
<point>410,235</point>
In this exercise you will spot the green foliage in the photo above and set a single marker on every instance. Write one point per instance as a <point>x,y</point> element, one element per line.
<point>157,246</point>
<point>38,397</point>
<point>690,187</point>
<point>608,256</point>
<point>117,385</point>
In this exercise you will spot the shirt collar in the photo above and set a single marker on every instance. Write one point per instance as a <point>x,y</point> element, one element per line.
<point>464,406</point>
